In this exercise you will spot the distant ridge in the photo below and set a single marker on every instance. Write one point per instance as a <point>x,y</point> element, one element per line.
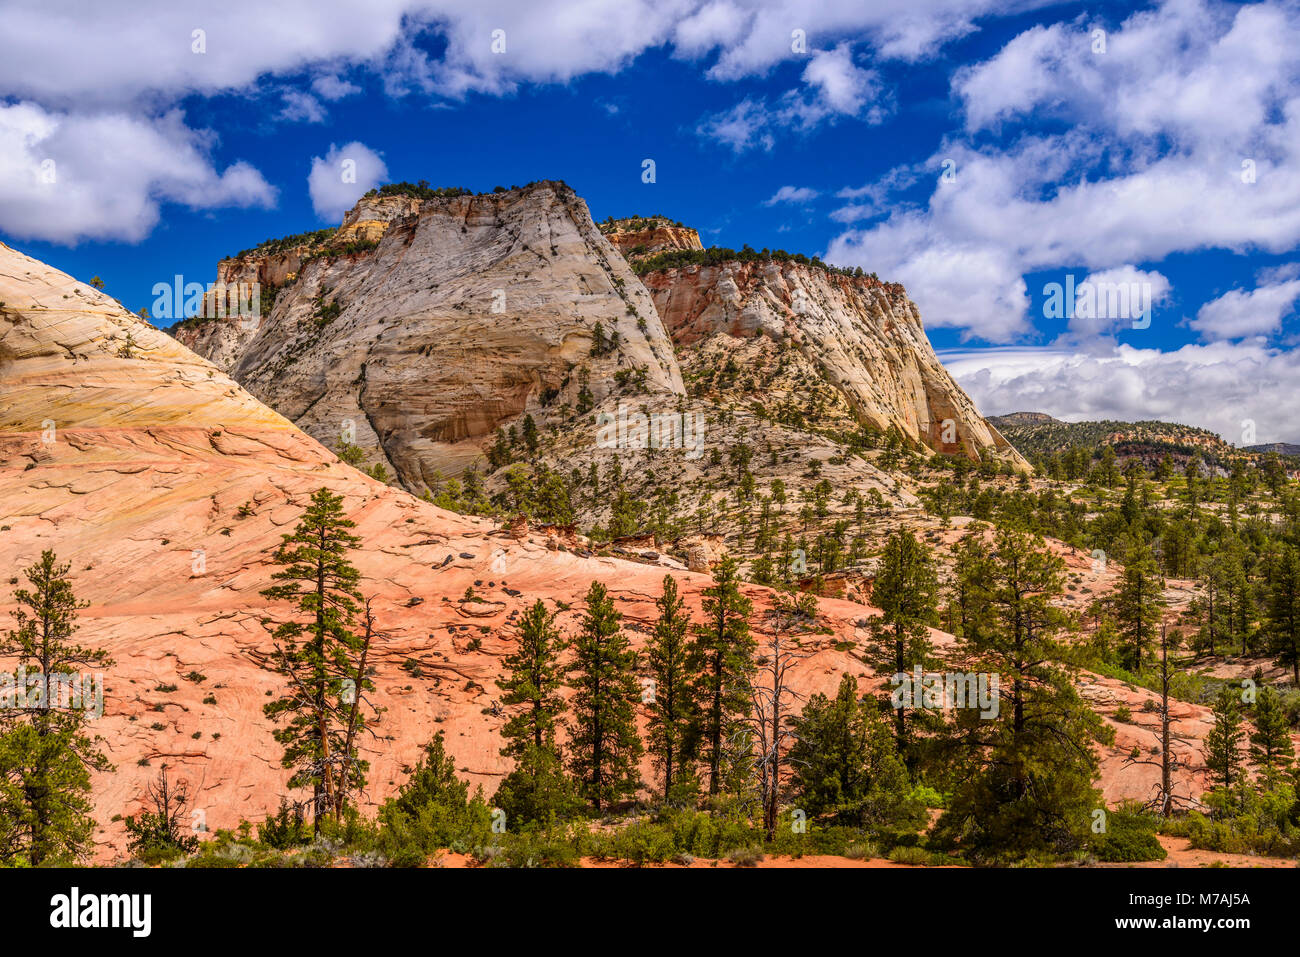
<point>1038,436</point>
<point>1022,418</point>
<point>1281,448</point>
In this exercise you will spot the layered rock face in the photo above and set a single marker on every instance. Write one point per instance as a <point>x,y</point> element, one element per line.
<point>637,238</point>
<point>370,218</point>
<point>423,325</point>
<point>274,269</point>
<point>468,313</point>
<point>866,337</point>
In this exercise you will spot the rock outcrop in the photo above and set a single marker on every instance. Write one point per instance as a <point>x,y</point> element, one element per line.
<point>422,325</point>
<point>369,219</point>
<point>865,335</point>
<point>468,313</point>
<point>638,238</point>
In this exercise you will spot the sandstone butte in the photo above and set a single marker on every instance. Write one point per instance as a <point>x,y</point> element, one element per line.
<point>470,312</point>
<point>864,335</point>
<point>166,486</point>
<point>460,315</point>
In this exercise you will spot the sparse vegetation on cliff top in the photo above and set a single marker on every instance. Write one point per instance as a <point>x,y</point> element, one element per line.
<point>676,258</point>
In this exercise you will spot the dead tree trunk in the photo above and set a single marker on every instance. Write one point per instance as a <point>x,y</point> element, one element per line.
<point>771,702</point>
<point>349,738</point>
<point>1166,767</point>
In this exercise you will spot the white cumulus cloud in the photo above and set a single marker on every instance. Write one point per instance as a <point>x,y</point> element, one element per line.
<point>834,88</point>
<point>340,177</point>
<point>65,177</point>
<point>792,194</point>
<point>1240,313</point>
<point>133,61</point>
<point>1136,173</point>
<point>1119,297</point>
<point>1226,387</point>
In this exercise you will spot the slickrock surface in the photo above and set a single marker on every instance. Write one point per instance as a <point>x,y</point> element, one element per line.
<point>470,312</point>
<point>865,335</point>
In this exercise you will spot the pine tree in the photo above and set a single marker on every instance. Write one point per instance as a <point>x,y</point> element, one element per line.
<point>1139,602</point>
<point>1283,617</point>
<point>725,648</point>
<point>1274,473</point>
<point>673,708</point>
<point>432,810</point>
<point>314,652</point>
<point>1213,605</point>
<point>530,434</point>
<point>1271,749</point>
<point>433,781</point>
<point>599,344</point>
<point>534,681</point>
<point>603,744</point>
<point>536,789</point>
<point>905,591</point>
<point>1235,597</point>
<point>970,576</point>
<point>1222,742</point>
<point>846,761</point>
<point>46,756</point>
<point>1023,779</point>
<point>1192,473</point>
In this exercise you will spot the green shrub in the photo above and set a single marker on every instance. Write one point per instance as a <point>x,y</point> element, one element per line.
<point>545,847</point>
<point>643,842</point>
<point>746,856</point>
<point>927,796</point>
<point>152,839</point>
<point>284,829</point>
<point>1129,836</point>
<point>1259,822</point>
<point>708,835</point>
<point>909,855</point>
<point>432,811</point>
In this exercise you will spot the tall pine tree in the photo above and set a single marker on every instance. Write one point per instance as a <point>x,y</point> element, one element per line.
<point>46,754</point>
<point>314,652</point>
<point>905,591</point>
<point>1139,602</point>
<point>1283,616</point>
<point>846,762</point>
<point>1271,748</point>
<point>604,747</point>
<point>673,708</point>
<point>537,789</point>
<point>1023,779</point>
<point>725,648</point>
<point>1222,743</point>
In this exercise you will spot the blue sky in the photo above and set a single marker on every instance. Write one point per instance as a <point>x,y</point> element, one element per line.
<point>975,156</point>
